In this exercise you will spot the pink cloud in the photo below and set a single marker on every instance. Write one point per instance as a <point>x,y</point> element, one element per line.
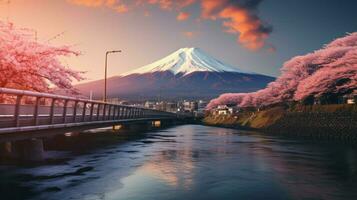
<point>116,5</point>
<point>239,17</point>
<point>189,34</point>
<point>182,16</point>
<point>122,8</point>
<point>92,3</point>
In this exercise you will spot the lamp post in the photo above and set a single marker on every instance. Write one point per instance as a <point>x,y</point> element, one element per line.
<point>106,70</point>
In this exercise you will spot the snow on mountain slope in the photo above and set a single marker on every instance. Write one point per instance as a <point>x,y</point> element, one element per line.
<point>185,61</point>
<point>188,73</point>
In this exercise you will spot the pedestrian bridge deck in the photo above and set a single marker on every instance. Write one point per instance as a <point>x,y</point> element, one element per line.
<point>24,111</point>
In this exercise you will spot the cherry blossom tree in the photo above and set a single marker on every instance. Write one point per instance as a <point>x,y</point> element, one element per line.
<point>330,70</point>
<point>31,65</point>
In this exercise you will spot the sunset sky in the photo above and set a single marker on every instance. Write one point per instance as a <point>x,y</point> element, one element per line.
<point>253,35</point>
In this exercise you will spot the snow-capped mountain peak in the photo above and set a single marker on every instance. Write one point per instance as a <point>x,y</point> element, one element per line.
<point>188,73</point>
<point>186,61</point>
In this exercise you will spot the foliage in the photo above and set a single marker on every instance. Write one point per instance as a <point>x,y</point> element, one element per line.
<point>31,65</point>
<point>330,70</point>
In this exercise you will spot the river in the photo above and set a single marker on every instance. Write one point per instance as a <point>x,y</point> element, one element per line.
<point>185,162</point>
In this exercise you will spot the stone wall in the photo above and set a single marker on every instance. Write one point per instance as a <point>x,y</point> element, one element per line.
<point>317,124</point>
<point>330,121</point>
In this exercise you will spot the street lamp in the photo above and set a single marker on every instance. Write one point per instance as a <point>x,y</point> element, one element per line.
<point>106,70</point>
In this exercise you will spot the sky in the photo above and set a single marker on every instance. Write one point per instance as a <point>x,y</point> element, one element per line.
<point>253,35</point>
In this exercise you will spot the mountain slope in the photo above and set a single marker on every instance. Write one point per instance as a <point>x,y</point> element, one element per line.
<point>187,73</point>
<point>186,61</point>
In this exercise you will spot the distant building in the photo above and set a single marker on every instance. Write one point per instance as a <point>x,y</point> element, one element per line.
<point>351,101</point>
<point>201,109</point>
<point>186,106</point>
<point>350,98</point>
<point>190,106</point>
<point>115,101</point>
<point>149,104</point>
<point>171,107</point>
<point>162,105</point>
<point>195,107</point>
<point>202,105</point>
<point>225,110</point>
<point>331,98</point>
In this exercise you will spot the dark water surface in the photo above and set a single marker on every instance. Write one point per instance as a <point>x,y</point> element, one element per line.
<point>186,162</point>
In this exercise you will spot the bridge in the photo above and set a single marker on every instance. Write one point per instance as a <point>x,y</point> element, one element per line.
<point>28,116</point>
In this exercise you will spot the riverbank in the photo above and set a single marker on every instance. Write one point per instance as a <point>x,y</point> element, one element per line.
<point>329,121</point>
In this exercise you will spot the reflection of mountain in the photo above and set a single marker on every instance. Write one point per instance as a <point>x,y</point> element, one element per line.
<point>175,168</point>
<point>188,72</point>
<point>307,171</point>
<point>215,163</point>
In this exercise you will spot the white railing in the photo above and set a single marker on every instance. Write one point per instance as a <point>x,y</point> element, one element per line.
<point>64,110</point>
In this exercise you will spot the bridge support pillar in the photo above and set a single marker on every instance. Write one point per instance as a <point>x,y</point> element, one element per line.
<point>117,127</point>
<point>33,150</point>
<point>28,150</point>
<point>5,149</point>
<point>156,124</point>
<point>167,123</point>
<point>137,127</point>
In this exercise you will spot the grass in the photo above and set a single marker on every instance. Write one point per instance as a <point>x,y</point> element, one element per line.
<point>267,117</point>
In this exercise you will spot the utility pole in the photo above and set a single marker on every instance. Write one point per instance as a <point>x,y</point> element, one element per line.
<point>91,95</point>
<point>106,71</point>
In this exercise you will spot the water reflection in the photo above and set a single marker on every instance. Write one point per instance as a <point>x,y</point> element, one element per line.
<point>309,170</point>
<point>229,164</point>
<point>197,162</point>
<point>175,168</point>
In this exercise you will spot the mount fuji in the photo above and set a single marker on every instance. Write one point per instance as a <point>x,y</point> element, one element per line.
<point>188,73</point>
<point>186,61</point>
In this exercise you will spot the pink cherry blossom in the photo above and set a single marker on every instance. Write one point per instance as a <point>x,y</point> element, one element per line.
<point>332,69</point>
<point>31,65</point>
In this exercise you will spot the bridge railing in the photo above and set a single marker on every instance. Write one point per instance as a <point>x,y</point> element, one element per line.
<point>50,109</point>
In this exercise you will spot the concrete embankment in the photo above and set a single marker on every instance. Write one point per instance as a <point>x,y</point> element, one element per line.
<point>329,121</point>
